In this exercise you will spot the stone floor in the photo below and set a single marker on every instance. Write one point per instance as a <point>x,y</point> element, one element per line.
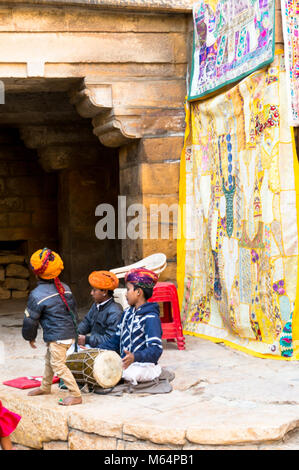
<point>221,399</point>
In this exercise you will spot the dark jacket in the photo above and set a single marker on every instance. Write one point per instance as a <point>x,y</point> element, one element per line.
<point>139,332</point>
<point>45,307</point>
<point>100,323</point>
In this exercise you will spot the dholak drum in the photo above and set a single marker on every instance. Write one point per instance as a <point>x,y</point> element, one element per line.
<point>96,367</point>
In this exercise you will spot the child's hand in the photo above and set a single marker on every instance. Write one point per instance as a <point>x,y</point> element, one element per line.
<point>128,359</point>
<point>81,340</point>
<point>32,344</point>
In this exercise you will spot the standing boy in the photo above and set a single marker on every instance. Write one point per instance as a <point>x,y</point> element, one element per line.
<point>51,304</point>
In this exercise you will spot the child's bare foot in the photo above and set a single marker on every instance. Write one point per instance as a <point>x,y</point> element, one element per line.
<point>69,401</point>
<point>37,391</point>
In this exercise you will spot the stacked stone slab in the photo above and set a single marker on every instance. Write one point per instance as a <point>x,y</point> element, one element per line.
<point>14,274</point>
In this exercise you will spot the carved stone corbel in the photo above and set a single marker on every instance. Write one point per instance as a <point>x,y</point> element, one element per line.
<point>113,127</point>
<point>114,130</point>
<point>92,99</point>
<point>57,146</point>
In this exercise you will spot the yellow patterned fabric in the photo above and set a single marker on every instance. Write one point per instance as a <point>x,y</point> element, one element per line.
<point>238,250</point>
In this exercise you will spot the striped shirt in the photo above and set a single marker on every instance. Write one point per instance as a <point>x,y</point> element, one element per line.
<point>139,332</point>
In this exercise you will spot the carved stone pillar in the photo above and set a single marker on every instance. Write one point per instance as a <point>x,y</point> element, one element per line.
<point>145,120</point>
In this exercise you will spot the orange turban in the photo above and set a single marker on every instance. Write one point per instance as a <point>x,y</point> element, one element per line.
<point>103,280</point>
<point>46,264</point>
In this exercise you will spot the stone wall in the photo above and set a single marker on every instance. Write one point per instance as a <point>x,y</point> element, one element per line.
<point>28,199</point>
<point>80,192</point>
<point>14,274</point>
<point>153,164</point>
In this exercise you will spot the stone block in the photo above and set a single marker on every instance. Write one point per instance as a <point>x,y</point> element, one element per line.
<point>157,432</point>
<point>79,440</point>
<point>4,169</point>
<point>83,47</point>
<point>44,218</point>
<point>4,294</point>
<point>147,445</point>
<point>169,247</point>
<point>56,445</point>
<point>170,273</point>
<point>129,155</point>
<point>3,220</point>
<point>19,219</point>
<point>161,123</point>
<point>12,152</point>
<point>8,259</point>
<point>101,422</point>
<point>154,94</point>
<point>19,168</point>
<point>16,284</point>
<point>103,21</point>
<point>11,204</point>
<point>130,181</point>
<point>2,273</point>
<point>18,294</point>
<point>42,420</point>
<point>159,149</point>
<point>24,186</point>
<point>17,270</point>
<point>120,444</point>
<point>159,178</point>
<point>180,48</point>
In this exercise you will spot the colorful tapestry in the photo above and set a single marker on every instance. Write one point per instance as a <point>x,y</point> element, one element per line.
<point>290,22</point>
<point>238,247</point>
<point>232,38</point>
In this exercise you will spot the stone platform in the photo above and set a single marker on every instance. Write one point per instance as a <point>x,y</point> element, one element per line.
<point>221,399</point>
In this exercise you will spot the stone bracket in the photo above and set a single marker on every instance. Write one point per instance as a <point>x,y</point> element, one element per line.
<point>124,110</point>
<point>93,99</point>
<point>113,128</point>
<point>116,129</point>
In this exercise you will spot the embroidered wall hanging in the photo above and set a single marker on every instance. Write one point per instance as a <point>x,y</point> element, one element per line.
<point>232,38</point>
<point>290,22</point>
<point>238,247</point>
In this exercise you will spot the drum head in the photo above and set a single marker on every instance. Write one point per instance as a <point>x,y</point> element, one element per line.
<point>107,369</point>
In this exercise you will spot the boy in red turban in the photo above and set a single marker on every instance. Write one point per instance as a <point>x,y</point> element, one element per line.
<point>101,321</point>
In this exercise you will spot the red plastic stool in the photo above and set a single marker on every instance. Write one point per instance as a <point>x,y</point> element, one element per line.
<point>166,293</point>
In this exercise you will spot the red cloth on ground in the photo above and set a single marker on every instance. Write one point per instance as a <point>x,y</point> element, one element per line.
<point>27,382</point>
<point>8,421</point>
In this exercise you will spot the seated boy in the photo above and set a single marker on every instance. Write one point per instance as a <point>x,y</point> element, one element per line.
<point>138,335</point>
<point>52,305</point>
<point>102,319</point>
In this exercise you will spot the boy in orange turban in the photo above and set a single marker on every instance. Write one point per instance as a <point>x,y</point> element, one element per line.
<point>52,305</point>
<point>101,321</point>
